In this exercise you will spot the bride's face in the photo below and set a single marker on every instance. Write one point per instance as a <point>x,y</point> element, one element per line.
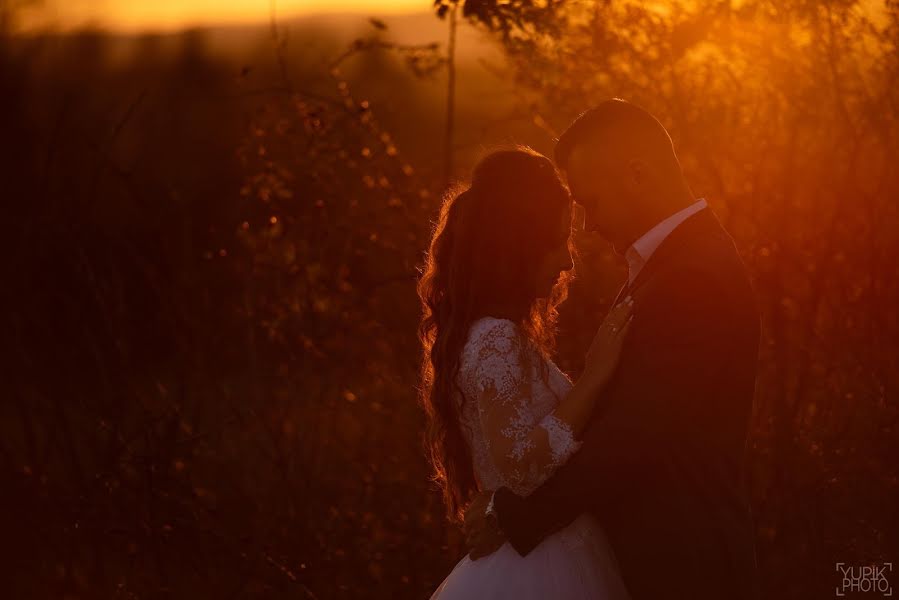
<point>557,259</point>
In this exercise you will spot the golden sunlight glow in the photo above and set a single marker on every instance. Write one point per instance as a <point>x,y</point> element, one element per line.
<point>137,15</point>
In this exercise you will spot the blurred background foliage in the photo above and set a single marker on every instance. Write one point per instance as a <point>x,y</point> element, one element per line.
<point>211,241</point>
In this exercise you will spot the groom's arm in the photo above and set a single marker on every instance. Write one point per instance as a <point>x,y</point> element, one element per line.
<point>678,346</point>
<point>609,466</point>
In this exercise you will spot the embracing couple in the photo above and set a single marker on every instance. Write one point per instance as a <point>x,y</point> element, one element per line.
<point>629,482</point>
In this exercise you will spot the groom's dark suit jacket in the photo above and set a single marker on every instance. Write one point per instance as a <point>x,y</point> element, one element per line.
<point>661,466</point>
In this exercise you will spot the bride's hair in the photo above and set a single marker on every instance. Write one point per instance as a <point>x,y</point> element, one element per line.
<point>485,247</point>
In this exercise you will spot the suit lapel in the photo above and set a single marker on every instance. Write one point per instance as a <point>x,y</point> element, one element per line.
<point>702,222</point>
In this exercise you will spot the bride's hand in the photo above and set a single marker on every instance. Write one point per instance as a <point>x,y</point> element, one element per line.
<point>482,533</point>
<point>605,350</point>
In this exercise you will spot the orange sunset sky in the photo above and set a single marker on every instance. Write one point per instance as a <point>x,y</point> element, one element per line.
<point>171,15</point>
<point>135,15</point>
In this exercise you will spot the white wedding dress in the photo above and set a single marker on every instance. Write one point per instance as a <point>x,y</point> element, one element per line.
<point>516,442</point>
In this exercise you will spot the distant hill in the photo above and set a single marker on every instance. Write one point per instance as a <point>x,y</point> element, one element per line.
<point>485,100</point>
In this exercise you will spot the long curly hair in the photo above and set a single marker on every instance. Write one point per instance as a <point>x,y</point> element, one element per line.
<point>485,246</point>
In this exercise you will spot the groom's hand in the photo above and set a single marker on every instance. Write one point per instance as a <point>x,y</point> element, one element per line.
<point>482,533</point>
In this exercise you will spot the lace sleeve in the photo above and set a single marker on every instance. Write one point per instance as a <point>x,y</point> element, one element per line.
<point>524,450</point>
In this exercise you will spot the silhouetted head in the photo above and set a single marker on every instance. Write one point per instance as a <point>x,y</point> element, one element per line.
<point>500,248</point>
<point>621,167</point>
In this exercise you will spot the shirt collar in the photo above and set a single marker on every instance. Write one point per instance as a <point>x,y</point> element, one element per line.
<point>639,252</point>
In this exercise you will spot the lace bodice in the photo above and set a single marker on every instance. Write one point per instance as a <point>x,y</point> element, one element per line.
<point>510,391</point>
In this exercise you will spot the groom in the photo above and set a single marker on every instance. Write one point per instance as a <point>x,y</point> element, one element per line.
<point>661,466</point>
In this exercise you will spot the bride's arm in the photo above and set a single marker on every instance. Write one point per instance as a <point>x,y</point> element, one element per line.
<point>521,451</point>
<point>599,366</point>
<point>665,401</point>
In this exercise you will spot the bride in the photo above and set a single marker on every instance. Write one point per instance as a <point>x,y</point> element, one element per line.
<point>500,412</point>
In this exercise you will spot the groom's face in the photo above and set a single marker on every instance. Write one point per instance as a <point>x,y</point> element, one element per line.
<point>595,185</point>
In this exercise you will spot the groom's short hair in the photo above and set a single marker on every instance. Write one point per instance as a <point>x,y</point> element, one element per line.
<point>620,122</point>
